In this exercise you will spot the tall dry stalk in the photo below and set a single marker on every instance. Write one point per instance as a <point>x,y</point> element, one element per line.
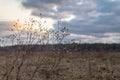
<point>27,35</point>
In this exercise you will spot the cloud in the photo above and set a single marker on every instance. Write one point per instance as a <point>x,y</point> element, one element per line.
<point>54,8</point>
<point>4,28</point>
<point>106,38</point>
<point>83,17</point>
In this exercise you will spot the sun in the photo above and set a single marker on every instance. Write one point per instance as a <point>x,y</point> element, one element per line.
<point>17,25</point>
<point>32,24</point>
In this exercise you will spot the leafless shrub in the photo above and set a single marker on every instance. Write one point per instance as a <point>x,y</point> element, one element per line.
<point>26,34</point>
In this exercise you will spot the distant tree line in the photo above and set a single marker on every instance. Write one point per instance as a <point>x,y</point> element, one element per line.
<point>64,47</point>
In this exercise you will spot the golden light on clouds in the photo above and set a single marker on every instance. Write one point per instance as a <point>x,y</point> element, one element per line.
<point>12,10</point>
<point>32,24</point>
<point>17,25</point>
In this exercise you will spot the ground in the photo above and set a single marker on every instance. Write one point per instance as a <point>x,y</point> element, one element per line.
<point>101,65</point>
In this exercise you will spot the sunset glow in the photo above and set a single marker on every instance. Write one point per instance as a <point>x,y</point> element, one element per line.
<point>83,17</point>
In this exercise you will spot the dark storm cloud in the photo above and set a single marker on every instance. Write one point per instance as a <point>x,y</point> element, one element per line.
<point>91,17</point>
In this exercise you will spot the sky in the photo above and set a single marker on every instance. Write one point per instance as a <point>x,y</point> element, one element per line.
<point>89,21</point>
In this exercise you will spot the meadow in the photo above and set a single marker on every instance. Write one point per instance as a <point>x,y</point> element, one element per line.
<point>49,65</point>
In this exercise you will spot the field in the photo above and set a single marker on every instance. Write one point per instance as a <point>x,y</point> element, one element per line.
<point>60,66</point>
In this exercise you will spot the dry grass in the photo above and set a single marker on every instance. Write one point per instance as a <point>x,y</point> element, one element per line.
<point>73,66</point>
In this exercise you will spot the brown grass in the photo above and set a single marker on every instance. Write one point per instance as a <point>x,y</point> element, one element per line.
<point>73,66</point>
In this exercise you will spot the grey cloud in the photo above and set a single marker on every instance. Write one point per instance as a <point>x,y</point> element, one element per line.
<point>93,17</point>
<point>46,7</point>
<point>94,30</point>
<point>4,28</point>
